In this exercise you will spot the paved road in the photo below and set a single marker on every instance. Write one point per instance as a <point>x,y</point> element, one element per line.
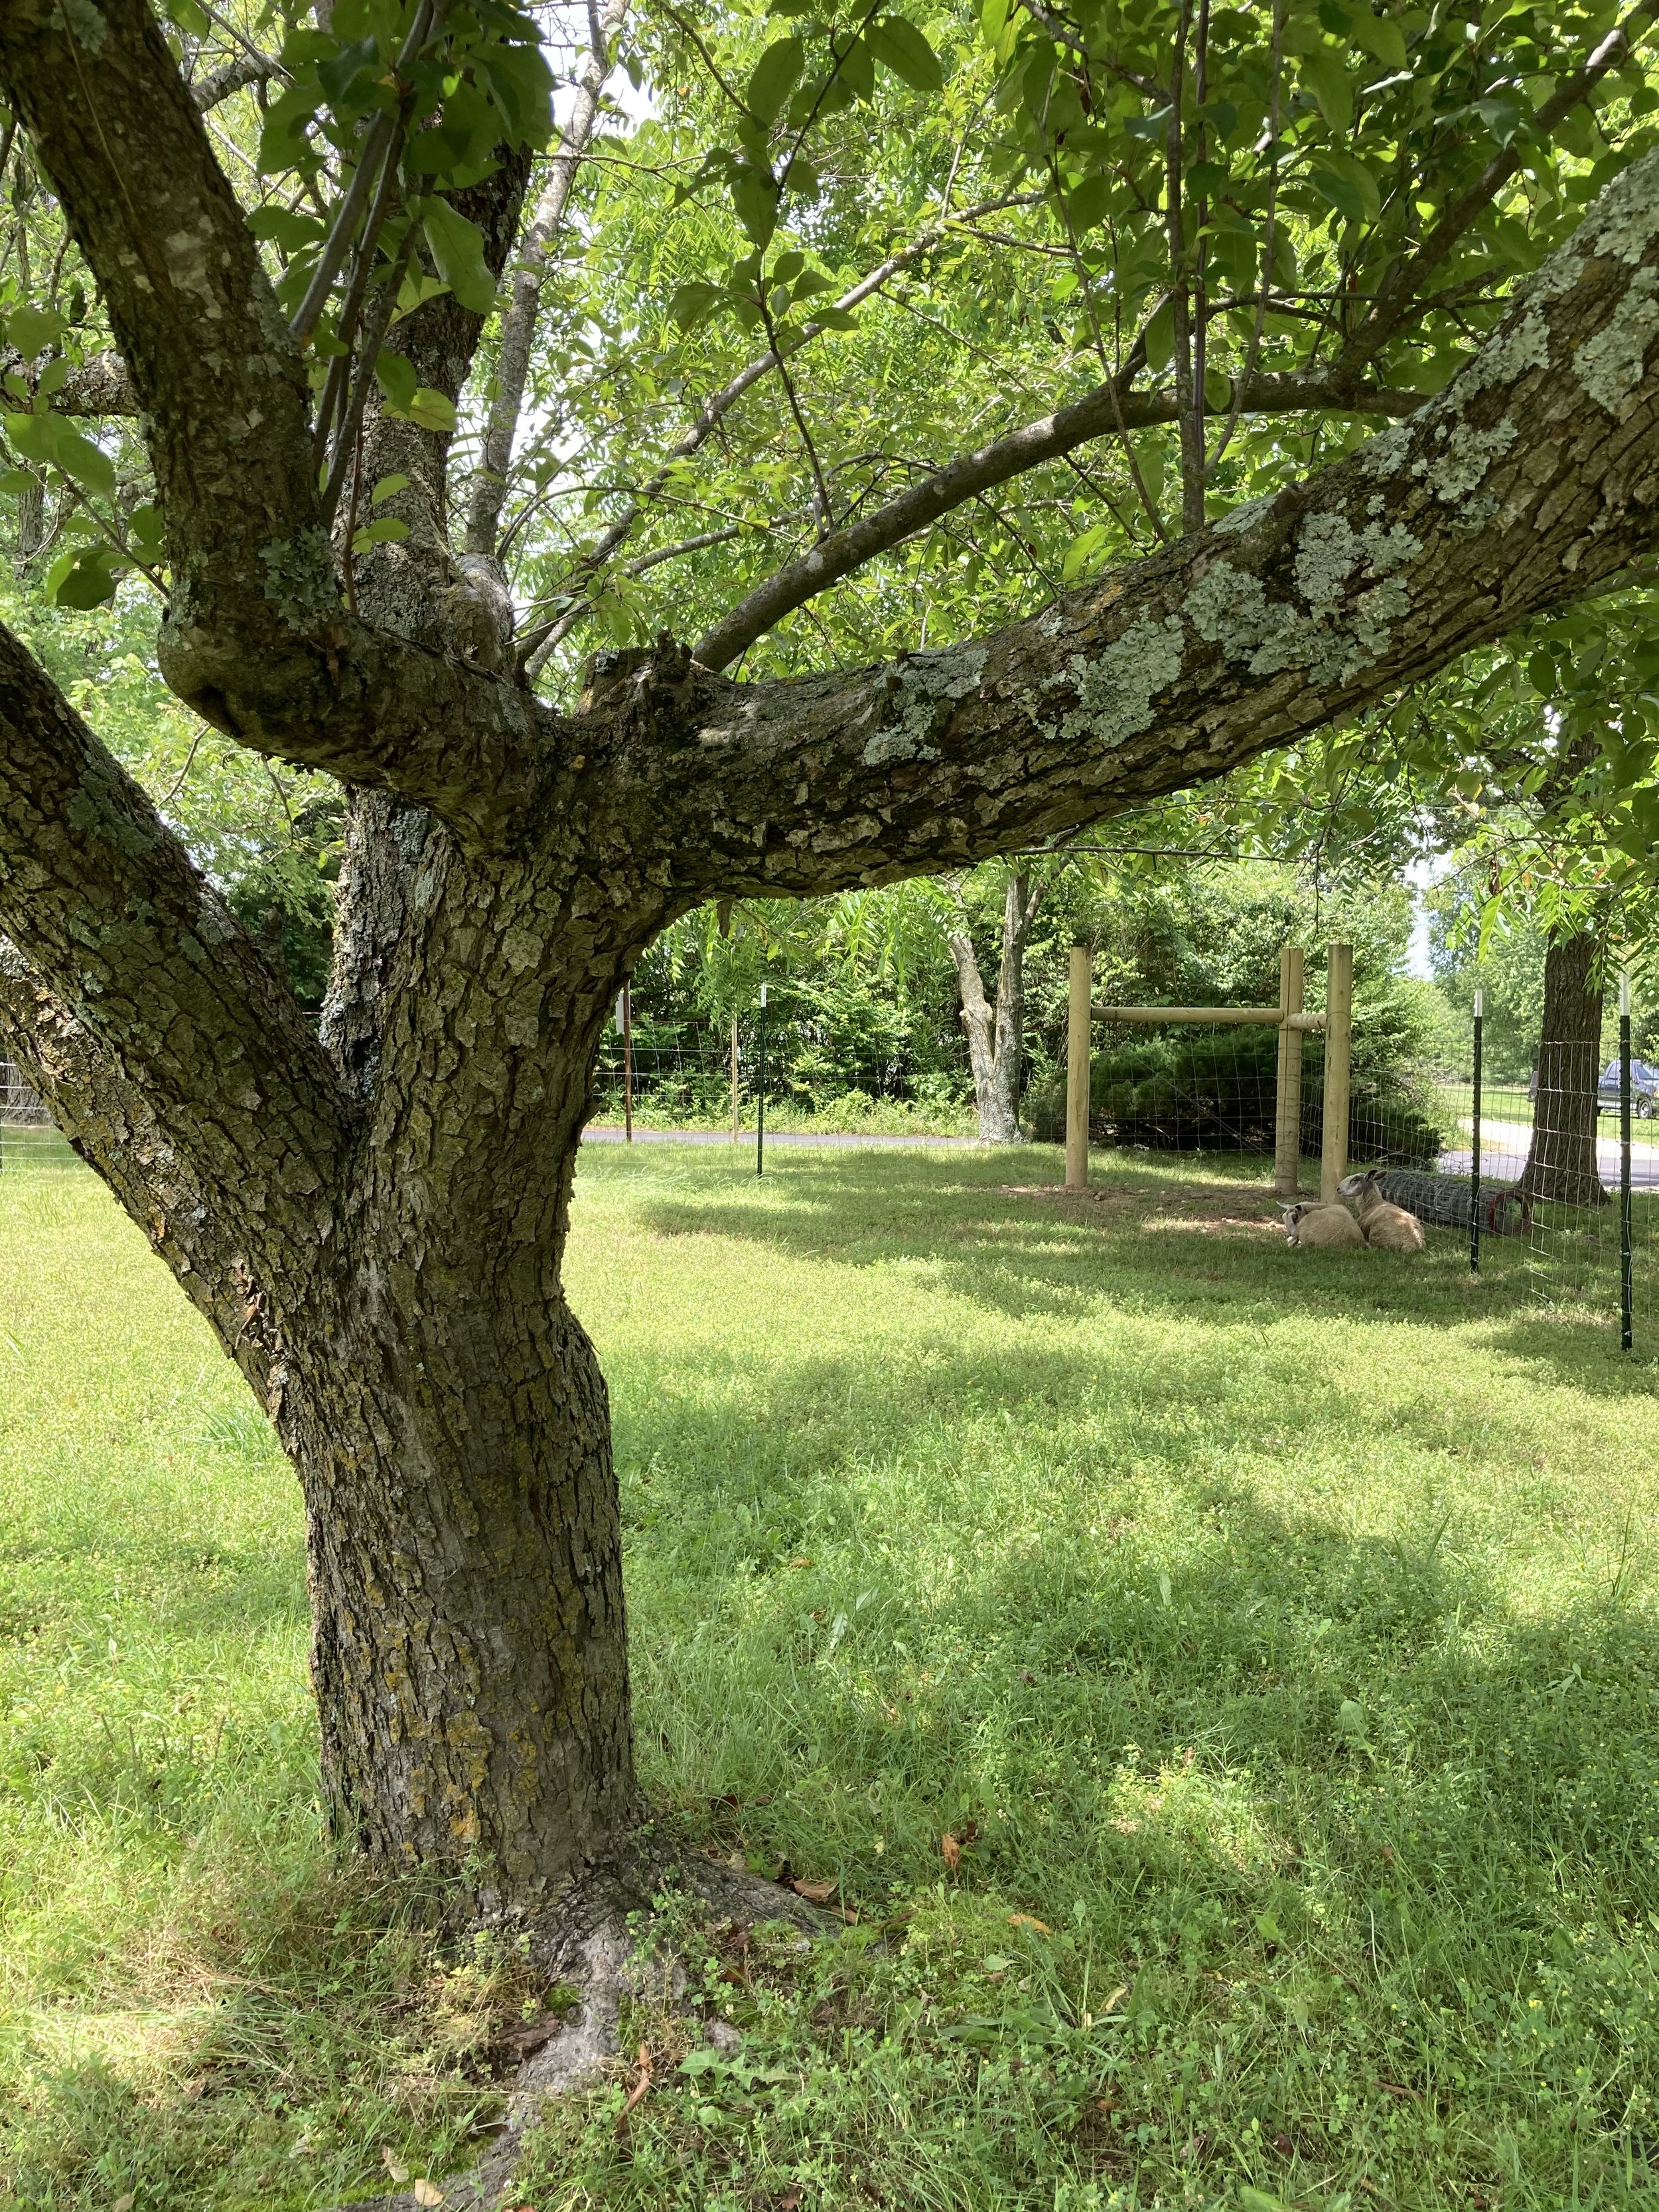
<point>839,1142</point>
<point>1503,1154</point>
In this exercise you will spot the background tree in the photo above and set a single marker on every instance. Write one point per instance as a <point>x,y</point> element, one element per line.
<point>371,1218</point>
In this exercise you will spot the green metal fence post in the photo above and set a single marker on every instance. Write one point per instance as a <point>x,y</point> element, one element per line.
<point>1474,1135</point>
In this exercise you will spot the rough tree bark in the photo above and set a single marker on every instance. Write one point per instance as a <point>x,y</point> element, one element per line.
<point>1561,1159</point>
<point>373,1221</point>
<point>995,1034</point>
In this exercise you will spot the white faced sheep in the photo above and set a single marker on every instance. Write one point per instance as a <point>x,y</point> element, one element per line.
<point>1332,1227</point>
<point>1389,1227</point>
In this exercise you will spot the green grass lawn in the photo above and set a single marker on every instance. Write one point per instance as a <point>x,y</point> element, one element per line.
<point>1271,1632</point>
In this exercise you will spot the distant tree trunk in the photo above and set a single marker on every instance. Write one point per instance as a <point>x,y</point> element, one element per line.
<point>995,1035</point>
<point>1561,1162</point>
<point>31,523</point>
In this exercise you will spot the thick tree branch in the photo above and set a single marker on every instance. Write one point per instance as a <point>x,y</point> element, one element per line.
<point>255,636</point>
<point>112,1122</point>
<point>1098,413</point>
<point>250,68</point>
<point>124,935</point>
<point>1532,478</point>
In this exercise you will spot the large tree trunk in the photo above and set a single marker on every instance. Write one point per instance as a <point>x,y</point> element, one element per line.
<point>995,1036</point>
<point>469,1647</point>
<point>1561,1161</point>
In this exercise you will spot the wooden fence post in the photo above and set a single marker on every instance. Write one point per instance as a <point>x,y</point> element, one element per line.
<point>1077,1014</point>
<point>1287,1115</point>
<point>1339,1037</point>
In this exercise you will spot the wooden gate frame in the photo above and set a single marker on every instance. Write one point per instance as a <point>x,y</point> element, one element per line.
<point>1293,1024</point>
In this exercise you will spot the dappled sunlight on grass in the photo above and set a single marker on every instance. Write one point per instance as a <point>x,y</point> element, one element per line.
<point>1270,1633</point>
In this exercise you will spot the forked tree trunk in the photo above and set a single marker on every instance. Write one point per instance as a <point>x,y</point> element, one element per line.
<point>1561,1160</point>
<point>995,1034</point>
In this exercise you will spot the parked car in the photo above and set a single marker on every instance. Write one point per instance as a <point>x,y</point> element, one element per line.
<point>1643,1089</point>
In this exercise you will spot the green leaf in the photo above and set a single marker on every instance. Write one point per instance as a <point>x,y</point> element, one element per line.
<point>283,138</point>
<point>432,410</point>
<point>1326,77</point>
<point>83,577</point>
<point>1081,551</point>
<point>694,303</point>
<point>899,46</point>
<point>1160,337</point>
<point>189,16</point>
<point>32,330</point>
<point>144,528</point>
<point>49,438</point>
<point>755,201</point>
<point>338,74</point>
<point>287,228</point>
<point>395,374</point>
<point>1348,185</point>
<point>1381,38</point>
<point>385,530</point>
<point>416,291</point>
<point>773,79</point>
<point>458,249</point>
<point>387,488</point>
<point>15,482</point>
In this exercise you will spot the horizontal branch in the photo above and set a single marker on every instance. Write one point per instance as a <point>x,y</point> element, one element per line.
<point>1098,413</point>
<point>1528,481</point>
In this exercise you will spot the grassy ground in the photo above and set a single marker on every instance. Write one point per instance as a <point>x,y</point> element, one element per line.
<point>1270,1634</point>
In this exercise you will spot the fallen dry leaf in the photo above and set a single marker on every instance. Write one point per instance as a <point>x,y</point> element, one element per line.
<point>427,2193</point>
<point>815,1892</point>
<point>1029,1920</point>
<point>393,2165</point>
<point>952,1852</point>
<point>123,2203</point>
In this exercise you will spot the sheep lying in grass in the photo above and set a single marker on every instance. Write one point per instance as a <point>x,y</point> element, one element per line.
<point>1389,1227</point>
<point>1446,1201</point>
<point>1332,1227</point>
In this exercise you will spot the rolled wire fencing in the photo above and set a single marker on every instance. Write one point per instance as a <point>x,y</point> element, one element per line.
<point>1555,1171</point>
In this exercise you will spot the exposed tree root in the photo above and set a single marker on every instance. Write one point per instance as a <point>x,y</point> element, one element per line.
<point>597,1940</point>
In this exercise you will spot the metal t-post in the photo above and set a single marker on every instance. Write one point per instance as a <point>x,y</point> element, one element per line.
<point>628,1061</point>
<point>1475,1134</point>
<point>760,1093</point>
<point>1627,1298</point>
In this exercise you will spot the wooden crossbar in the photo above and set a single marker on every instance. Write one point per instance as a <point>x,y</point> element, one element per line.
<point>1267,1016</point>
<point>1288,1017</point>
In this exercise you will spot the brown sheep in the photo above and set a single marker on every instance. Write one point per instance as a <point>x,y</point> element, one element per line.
<point>1331,1227</point>
<point>1388,1227</point>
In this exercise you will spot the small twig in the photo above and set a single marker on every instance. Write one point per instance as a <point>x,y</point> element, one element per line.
<point>637,2094</point>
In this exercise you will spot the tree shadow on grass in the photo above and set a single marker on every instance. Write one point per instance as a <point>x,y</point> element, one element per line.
<point>1334,1798</point>
<point>1174,1239</point>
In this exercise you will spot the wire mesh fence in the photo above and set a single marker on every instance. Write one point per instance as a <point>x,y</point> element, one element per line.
<point>27,1138</point>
